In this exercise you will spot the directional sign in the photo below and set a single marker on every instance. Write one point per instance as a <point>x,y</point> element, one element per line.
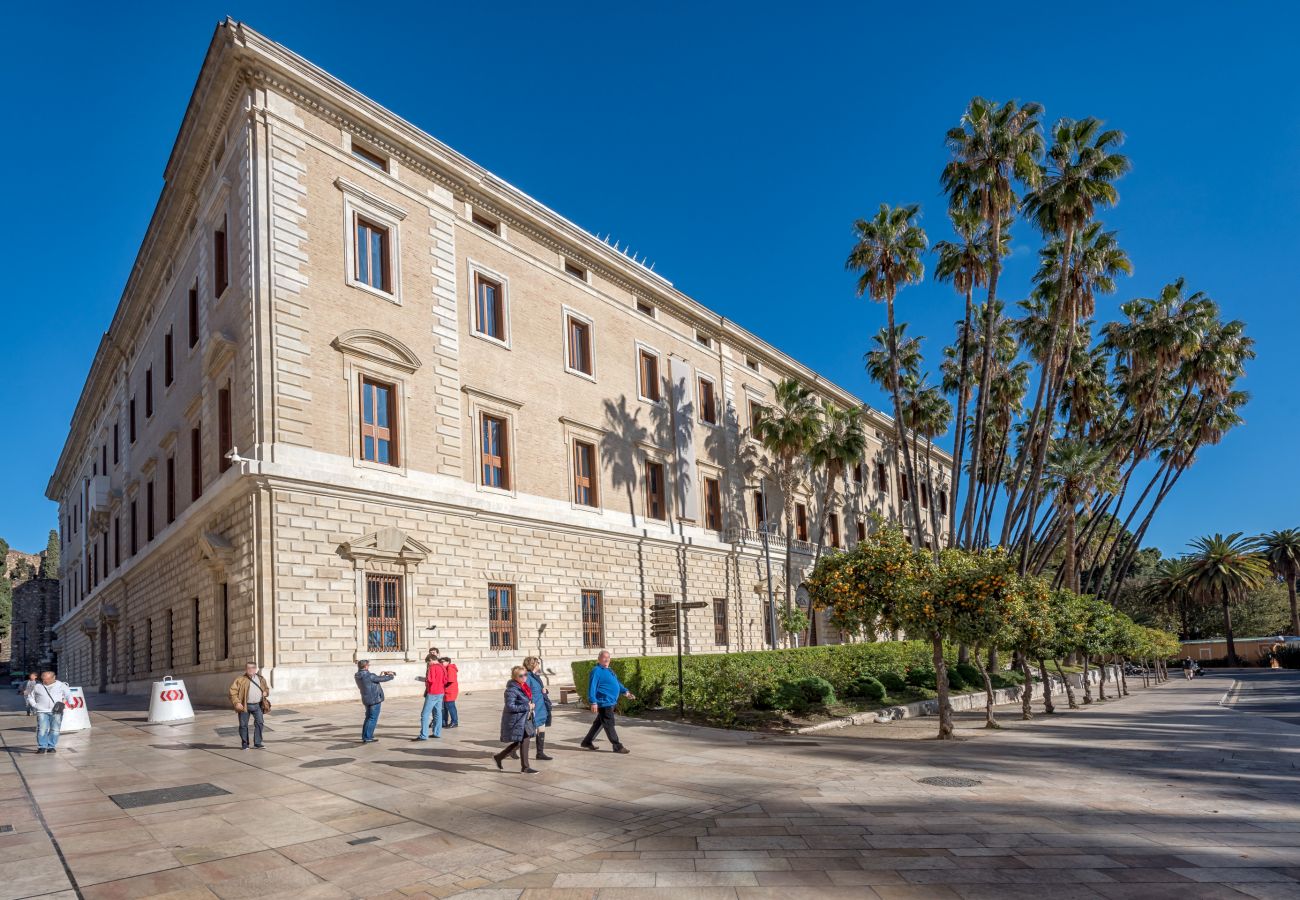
<point>699,604</point>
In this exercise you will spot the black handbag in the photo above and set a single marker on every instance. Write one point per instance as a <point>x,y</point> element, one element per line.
<point>58,705</point>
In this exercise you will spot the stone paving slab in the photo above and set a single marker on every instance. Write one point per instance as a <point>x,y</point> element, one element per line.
<point>1158,794</point>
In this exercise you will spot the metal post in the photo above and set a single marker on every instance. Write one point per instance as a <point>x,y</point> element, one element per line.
<point>767,552</point>
<point>681,700</point>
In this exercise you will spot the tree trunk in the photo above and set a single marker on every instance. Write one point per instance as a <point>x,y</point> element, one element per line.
<point>1295,615</point>
<point>1065,680</point>
<point>1087,681</point>
<point>1101,682</point>
<point>963,653</point>
<point>913,487</point>
<point>986,364</point>
<point>1123,678</point>
<point>1227,630</point>
<point>963,399</point>
<point>1048,706</point>
<point>989,720</point>
<point>1027,695</point>
<point>1071,563</point>
<point>941,684</point>
<point>994,663</point>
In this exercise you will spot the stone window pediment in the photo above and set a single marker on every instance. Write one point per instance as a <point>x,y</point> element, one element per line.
<point>375,346</point>
<point>388,544</point>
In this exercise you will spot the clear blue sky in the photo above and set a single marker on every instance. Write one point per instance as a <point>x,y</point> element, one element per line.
<point>732,143</point>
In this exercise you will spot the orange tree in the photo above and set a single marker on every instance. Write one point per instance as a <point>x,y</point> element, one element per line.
<point>1069,617</point>
<point>965,597</point>
<point>862,589</point>
<point>1032,631</point>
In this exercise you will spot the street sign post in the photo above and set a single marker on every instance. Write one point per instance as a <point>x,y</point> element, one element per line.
<point>666,621</point>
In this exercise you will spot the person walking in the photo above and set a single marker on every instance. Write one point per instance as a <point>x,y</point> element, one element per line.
<point>604,690</point>
<point>1188,670</point>
<point>48,699</point>
<point>450,718</point>
<point>26,690</point>
<point>250,695</point>
<point>517,726</point>
<point>541,703</point>
<point>372,697</point>
<point>435,687</point>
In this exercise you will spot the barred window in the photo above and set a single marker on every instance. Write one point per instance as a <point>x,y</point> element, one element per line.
<point>384,613</point>
<point>593,620</point>
<point>719,621</point>
<point>501,617</point>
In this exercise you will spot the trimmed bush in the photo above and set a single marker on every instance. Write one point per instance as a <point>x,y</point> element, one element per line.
<point>1006,678</point>
<point>921,677</point>
<point>892,681</point>
<point>969,674</point>
<point>735,681</point>
<point>867,687</point>
<point>804,694</point>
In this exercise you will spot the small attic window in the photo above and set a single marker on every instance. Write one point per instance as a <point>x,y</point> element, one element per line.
<point>370,157</point>
<point>645,309</point>
<point>485,223</point>
<point>575,270</point>
<point>752,363</point>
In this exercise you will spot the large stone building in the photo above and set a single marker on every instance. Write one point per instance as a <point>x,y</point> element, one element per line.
<point>361,397</point>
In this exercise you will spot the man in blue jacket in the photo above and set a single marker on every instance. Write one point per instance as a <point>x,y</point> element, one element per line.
<point>372,696</point>
<point>603,690</point>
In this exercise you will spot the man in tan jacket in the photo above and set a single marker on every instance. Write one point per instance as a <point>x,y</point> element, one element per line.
<point>250,696</point>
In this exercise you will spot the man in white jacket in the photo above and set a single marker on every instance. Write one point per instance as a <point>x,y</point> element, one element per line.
<point>48,699</point>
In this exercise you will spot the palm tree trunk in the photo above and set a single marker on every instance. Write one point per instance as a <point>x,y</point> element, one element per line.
<point>1295,616</point>
<point>910,470</point>
<point>986,366</point>
<point>1069,691</point>
<point>989,720</point>
<point>1227,629</point>
<point>963,385</point>
<point>1071,566</point>
<point>1048,706</point>
<point>941,684</point>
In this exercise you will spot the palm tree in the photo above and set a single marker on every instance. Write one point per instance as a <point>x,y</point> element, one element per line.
<point>1282,550</point>
<point>965,264</point>
<point>841,442</point>
<point>928,414</point>
<point>994,148</point>
<point>786,429</point>
<point>1082,166</point>
<point>1075,470</point>
<point>1168,589</point>
<point>1224,569</point>
<point>887,255</point>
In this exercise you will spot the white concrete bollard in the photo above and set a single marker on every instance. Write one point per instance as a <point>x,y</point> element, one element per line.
<point>169,701</point>
<point>76,716</point>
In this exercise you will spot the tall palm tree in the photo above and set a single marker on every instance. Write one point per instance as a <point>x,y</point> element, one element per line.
<point>928,415</point>
<point>887,255</point>
<point>1168,589</point>
<point>1282,550</point>
<point>877,359</point>
<point>994,149</point>
<point>786,429</point>
<point>964,262</point>
<point>1224,569</point>
<point>1078,178</point>
<point>841,442</point>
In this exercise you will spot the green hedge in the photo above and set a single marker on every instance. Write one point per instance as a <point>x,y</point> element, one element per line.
<point>720,684</point>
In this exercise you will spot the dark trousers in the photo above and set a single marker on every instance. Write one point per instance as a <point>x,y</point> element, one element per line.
<point>449,717</point>
<point>604,719</point>
<point>522,747</point>
<point>256,713</point>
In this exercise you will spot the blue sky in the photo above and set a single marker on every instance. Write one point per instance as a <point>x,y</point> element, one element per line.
<point>733,144</point>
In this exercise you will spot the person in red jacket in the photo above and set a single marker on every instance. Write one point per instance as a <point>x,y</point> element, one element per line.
<point>435,688</point>
<point>449,717</point>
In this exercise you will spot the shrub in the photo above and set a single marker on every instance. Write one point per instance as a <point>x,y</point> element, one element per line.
<point>970,675</point>
<point>892,681</point>
<point>868,687</point>
<point>955,681</point>
<point>921,677</point>
<point>1006,678</point>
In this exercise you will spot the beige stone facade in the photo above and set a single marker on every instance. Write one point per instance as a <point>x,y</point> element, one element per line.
<point>275,557</point>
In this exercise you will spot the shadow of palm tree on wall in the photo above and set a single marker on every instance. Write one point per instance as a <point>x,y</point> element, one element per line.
<point>619,448</point>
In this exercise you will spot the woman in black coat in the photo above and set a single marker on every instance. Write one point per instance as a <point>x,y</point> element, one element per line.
<point>517,725</point>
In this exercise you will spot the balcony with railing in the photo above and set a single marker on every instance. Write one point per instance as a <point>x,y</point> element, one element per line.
<point>753,537</point>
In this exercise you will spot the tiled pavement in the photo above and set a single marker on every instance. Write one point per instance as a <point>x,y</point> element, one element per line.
<point>1161,794</point>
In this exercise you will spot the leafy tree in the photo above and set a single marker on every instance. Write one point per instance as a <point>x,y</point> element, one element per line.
<point>1032,632</point>
<point>864,588</point>
<point>1069,613</point>
<point>50,567</point>
<point>1223,569</point>
<point>1282,550</point>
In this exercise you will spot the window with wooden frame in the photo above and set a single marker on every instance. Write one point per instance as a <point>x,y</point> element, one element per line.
<point>753,363</point>
<point>719,621</point>
<point>648,367</point>
<point>586,491</point>
<point>169,361</point>
<point>755,413</point>
<point>171,489</point>
<point>833,525</point>
<point>713,504</point>
<point>225,438</point>
<point>196,463</point>
<point>220,259</point>
<point>655,505</point>
<point>664,640</point>
<point>489,307</point>
<point>857,473</point>
<point>904,491</point>
<point>131,420</point>
<point>862,531</point>
<point>882,478</point>
<point>760,509</point>
<point>925,495</point>
<point>801,521</point>
<point>943,503</point>
<point>593,620</point>
<point>703,340</point>
<point>485,223</point>
<point>369,157</point>
<point>501,617</point>
<point>579,345</point>
<point>708,401</point>
<point>148,511</point>
<point>645,309</point>
<point>494,440</point>
<point>194,314</point>
<point>378,422</point>
<point>384,613</point>
<point>573,270</point>
<point>148,392</point>
<point>372,254</point>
